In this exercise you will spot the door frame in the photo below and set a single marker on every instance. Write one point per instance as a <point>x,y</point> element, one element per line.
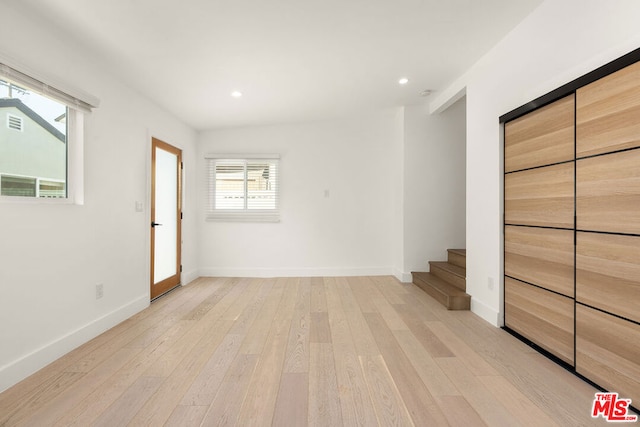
<point>158,289</point>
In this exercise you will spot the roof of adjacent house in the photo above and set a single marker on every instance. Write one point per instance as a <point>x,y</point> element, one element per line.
<point>13,102</point>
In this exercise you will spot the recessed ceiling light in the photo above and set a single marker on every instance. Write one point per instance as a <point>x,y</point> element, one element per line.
<point>403,81</point>
<point>236,94</point>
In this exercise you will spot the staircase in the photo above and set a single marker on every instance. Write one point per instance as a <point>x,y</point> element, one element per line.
<point>446,281</point>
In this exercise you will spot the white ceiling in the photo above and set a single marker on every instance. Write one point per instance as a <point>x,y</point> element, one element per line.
<point>293,60</point>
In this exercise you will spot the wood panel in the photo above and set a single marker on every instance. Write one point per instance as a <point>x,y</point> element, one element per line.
<point>542,137</point>
<point>608,193</point>
<point>608,273</point>
<point>541,316</point>
<point>540,256</point>
<point>543,196</point>
<point>608,113</point>
<point>608,351</point>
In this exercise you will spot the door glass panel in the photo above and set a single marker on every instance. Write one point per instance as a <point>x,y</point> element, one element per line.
<point>166,211</point>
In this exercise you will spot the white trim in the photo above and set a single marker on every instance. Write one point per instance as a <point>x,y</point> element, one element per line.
<point>484,311</point>
<point>20,369</point>
<point>229,156</point>
<point>295,272</point>
<point>47,85</point>
<point>403,276</point>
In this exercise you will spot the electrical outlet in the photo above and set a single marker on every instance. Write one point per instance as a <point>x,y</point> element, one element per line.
<point>99,290</point>
<point>490,283</point>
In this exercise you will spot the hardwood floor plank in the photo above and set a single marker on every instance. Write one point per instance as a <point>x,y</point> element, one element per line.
<point>421,331</point>
<point>257,335</point>
<point>45,393</point>
<point>123,409</point>
<point>515,402</point>
<point>95,403</point>
<point>301,351</point>
<point>430,373</point>
<point>259,404</point>
<point>47,414</point>
<point>226,406</point>
<point>318,297</point>
<point>355,402</point>
<point>320,332</point>
<point>362,337</point>
<point>458,412</point>
<point>361,290</point>
<point>297,356</point>
<point>389,407</point>
<point>490,410</point>
<point>417,399</point>
<point>205,387</point>
<point>186,416</point>
<point>196,350</point>
<point>392,290</point>
<point>324,398</point>
<point>291,408</point>
<point>159,407</point>
<point>466,354</point>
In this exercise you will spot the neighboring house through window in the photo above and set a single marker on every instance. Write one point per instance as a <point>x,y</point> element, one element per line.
<point>243,188</point>
<point>40,138</point>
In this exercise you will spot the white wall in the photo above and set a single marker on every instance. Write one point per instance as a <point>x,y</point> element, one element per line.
<point>434,185</point>
<point>52,256</point>
<point>349,232</point>
<point>558,42</point>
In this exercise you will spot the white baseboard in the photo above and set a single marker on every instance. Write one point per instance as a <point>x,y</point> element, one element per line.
<point>403,276</point>
<point>295,272</point>
<point>189,277</point>
<point>484,311</point>
<point>20,369</point>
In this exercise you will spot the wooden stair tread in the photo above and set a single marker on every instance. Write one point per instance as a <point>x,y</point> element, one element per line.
<point>461,252</point>
<point>453,269</point>
<point>445,293</point>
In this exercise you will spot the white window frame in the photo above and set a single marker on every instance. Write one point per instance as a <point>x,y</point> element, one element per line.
<point>78,103</point>
<point>245,214</point>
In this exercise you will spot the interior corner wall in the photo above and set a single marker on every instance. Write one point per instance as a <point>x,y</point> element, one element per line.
<point>398,202</point>
<point>53,255</point>
<point>336,201</point>
<point>434,184</point>
<point>558,42</point>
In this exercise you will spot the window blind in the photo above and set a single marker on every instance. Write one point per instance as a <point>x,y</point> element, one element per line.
<point>243,189</point>
<point>78,101</point>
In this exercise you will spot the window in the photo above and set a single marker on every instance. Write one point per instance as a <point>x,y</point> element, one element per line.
<point>40,139</point>
<point>243,188</point>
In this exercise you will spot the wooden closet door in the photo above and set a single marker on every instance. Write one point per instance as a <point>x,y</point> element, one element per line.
<point>608,273</point>
<point>540,197</point>
<point>539,206</point>
<point>608,113</point>
<point>544,317</point>
<point>542,137</point>
<point>608,193</point>
<point>607,350</point>
<point>543,257</point>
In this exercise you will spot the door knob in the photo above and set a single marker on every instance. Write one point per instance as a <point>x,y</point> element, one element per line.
<point>153,224</point>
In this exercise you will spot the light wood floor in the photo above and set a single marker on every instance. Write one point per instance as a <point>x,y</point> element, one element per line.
<point>293,352</point>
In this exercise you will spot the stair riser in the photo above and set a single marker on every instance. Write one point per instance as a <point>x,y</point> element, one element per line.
<point>432,292</point>
<point>455,280</point>
<point>450,302</point>
<point>457,259</point>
